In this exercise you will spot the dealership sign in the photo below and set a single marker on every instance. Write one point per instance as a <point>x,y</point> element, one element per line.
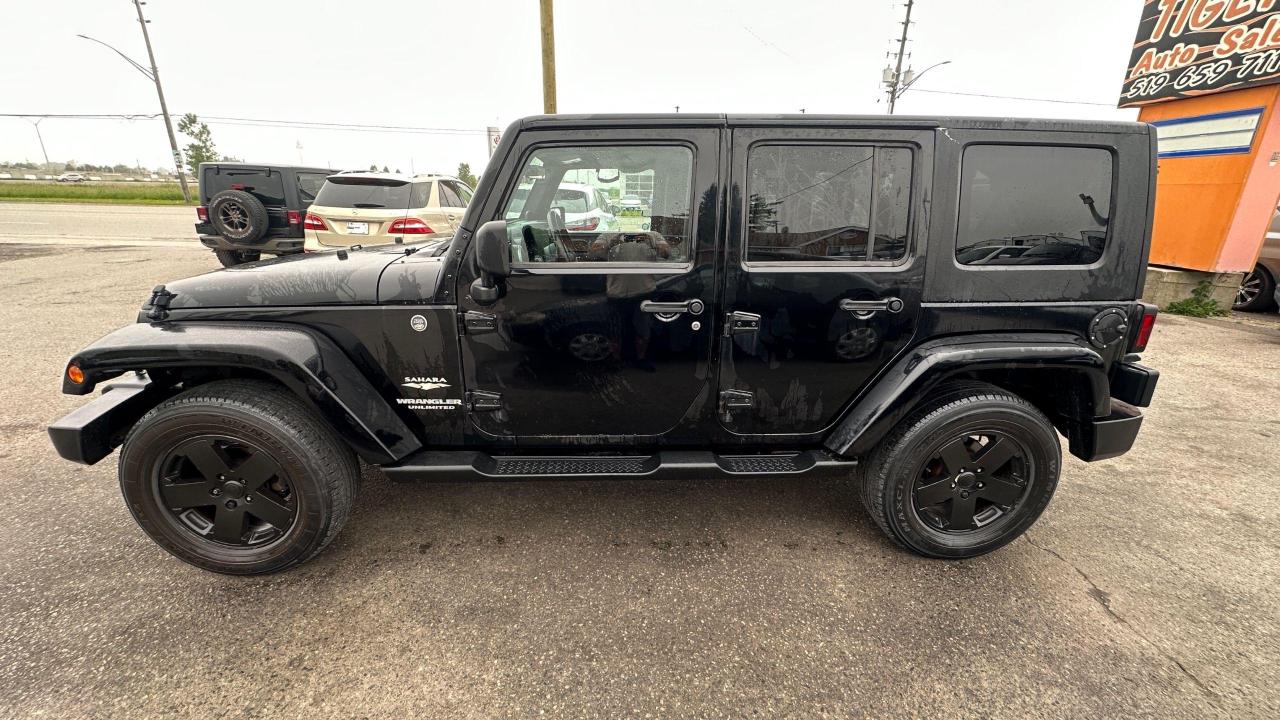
<point>1188,48</point>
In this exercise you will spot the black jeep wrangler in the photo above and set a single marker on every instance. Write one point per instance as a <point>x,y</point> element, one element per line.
<point>249,209</point>
<point>921,304</point>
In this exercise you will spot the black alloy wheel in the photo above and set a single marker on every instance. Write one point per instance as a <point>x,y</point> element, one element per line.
<point>238,477</point>
<point>966,473</point>
<point>971,481</point>
<point>226,491</point>
<point>234,217</point>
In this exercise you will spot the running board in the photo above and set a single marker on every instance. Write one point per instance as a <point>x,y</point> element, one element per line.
<point>462,465</point>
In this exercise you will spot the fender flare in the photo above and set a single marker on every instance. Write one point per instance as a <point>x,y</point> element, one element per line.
<point>306,362</point>
<point>909,380</point>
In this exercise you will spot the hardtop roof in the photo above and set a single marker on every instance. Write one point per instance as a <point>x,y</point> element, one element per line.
<point>819,121</point>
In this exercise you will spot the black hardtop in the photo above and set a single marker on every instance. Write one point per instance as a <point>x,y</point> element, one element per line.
<point>570,122</point>
<point>273,167</point>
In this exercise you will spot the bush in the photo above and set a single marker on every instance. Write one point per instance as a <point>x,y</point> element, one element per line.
<point>1200,304</point>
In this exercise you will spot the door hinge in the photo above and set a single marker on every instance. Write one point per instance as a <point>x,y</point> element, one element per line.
<point>741,323</point>
<point>481,401</point>
<point>731,400</point>
<point>478,323</point>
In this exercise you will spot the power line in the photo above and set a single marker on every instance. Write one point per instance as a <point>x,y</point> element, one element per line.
<point>1012,97</point>
<point>260,122</point>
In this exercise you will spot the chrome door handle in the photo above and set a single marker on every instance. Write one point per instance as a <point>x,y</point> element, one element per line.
<point>693,307</point>
<point>889,304</point>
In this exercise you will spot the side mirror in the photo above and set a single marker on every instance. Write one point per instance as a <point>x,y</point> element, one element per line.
<point>493,257</point>
<point>493,250</point>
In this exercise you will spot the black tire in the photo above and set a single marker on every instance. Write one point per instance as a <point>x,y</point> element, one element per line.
<point>232,258</point>
<point>238,216</point>
<point>269,446</point>
<point>1257,291</point>
<point>960,425</point>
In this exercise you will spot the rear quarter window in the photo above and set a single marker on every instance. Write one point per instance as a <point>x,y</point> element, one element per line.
<point>1033,205</point>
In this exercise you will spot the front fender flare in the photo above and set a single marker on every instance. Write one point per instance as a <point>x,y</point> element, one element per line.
<point>897,391</point>
<point>306,362</point>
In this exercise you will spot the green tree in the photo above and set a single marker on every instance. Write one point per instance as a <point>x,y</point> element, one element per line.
<point>464,174</point>
<point>373,168</point>
<point>201,148</point>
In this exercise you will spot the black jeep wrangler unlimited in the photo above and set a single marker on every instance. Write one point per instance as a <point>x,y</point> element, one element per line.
<point>927,302</point>
<point>248,209</point>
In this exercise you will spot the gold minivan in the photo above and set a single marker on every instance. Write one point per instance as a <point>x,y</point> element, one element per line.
<point>368,208</point>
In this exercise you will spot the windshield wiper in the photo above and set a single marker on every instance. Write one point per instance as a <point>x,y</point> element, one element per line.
<point>368,205</point>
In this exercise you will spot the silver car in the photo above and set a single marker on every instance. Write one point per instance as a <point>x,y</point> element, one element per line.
<point>1258,290</point>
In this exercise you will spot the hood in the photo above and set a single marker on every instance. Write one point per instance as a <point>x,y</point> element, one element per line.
<point>330,278</point>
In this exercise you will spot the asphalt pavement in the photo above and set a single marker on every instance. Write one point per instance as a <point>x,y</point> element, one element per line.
<point>1148,588</point>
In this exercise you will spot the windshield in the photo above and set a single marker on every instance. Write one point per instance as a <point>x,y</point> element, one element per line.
<point>359,193</point>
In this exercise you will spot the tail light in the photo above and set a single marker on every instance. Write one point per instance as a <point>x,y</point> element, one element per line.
<point>314,222</point>
<point>295,217</point>
<point>409,226</point>
<point>1145,326</point>
<point>586,224</point>
<point>202,214</point>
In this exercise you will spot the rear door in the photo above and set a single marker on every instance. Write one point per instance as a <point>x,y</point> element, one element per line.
<point>822,280</point>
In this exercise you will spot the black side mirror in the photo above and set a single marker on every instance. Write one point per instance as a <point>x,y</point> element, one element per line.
<point>493,257</point>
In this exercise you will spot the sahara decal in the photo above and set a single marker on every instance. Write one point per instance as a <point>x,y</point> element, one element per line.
<point>428,383</point>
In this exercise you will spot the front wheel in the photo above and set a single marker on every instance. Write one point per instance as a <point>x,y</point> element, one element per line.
<point>966,474</point>
<point>237,477</point>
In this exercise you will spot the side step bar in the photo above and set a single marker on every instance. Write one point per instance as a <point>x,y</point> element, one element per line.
<point>463,465</point>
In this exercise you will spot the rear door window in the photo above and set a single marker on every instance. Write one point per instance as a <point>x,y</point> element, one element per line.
<point>449,196</point>
<point>828,203</point>
<point>1033,205</point>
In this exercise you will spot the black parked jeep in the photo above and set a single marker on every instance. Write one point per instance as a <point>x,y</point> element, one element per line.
<point>248,209</point>
<point>929,302</point>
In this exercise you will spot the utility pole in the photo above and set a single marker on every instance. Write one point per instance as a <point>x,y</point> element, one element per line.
<point>40,137</point>
<point>164,109</point>
<point>896,80</point>
<point>548,58</point>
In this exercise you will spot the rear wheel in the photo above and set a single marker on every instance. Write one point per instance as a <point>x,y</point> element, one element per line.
<point>237,477</point>
<point>966,474</point>
<point>1257,291</point>
<point>231,258</point>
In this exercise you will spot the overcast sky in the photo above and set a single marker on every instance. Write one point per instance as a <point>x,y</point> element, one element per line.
<point>467,65</point>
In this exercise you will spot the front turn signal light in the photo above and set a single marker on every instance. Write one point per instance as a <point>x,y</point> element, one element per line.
<point>75,374</point>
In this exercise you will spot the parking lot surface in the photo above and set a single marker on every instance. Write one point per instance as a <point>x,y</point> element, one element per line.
<point>1148,589</point>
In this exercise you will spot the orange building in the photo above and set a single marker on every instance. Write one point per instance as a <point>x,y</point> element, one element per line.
<point>1206,75</point>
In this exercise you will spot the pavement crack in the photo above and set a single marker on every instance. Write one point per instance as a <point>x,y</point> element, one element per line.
<point>1103,598</point>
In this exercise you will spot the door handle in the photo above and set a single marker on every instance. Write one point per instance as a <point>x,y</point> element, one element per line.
<point>889,304</point>
<point>693,307</point>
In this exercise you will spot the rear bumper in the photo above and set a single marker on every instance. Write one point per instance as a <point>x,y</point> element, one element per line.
<point>1105,438</point>
<point>273,245</point>
<point>90,432</point>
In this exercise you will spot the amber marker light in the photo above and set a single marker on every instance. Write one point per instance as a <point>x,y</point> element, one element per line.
<point>75,374</point>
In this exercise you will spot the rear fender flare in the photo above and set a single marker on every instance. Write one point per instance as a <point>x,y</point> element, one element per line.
<point>908,381</point>
<point>306,362</point>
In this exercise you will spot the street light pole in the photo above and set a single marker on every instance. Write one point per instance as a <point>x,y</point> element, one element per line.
<point>40,137</point>
<point>164,109</point>
<point>548,58</point>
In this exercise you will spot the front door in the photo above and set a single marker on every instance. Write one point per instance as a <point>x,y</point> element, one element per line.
<point>604,331</point>
<point>822,281</point>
